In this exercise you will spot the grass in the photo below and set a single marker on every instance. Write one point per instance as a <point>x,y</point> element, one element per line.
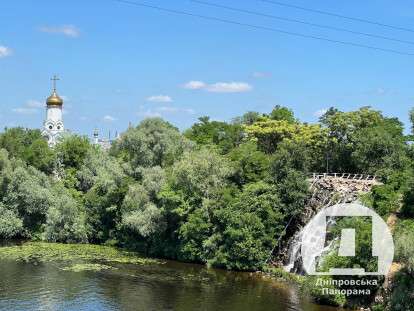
<point>281,274</point>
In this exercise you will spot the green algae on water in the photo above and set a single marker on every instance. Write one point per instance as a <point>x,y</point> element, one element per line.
<point>88,267</point>
<point>48,252</point>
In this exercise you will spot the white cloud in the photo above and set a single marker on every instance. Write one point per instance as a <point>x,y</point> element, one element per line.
<point>160,99</point>
<point>219,87</point>
<point>32,103</point>
<point>259,74</point>
<point>31,106</point>
<point>109,118</point>
<point>195,85</point>
<point>5,51</point>
<point>25,110</point>
<point>66,30</point>
<point>229,87</point>
<point>319,113</point>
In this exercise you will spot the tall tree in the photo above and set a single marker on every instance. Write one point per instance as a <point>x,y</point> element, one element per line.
<point>270,133</point>
<point>280,113</point>
<point>221,134</point>
<point>153,142</point>
<point>72,151</point>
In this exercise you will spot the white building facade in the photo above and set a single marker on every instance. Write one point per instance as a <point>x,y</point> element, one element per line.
<point>53,127</point>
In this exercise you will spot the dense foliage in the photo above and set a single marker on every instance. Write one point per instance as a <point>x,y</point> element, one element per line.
<point>221,193</point>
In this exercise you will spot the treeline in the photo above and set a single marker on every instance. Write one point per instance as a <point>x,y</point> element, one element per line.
<point>220,193</point>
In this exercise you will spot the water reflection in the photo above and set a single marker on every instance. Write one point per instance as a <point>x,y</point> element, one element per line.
<point>171,286</point>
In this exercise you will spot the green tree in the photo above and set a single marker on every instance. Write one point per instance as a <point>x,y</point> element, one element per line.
<point>16,140</point>
<point>98,165</point>
<point>72,151</point>
<point>139,214</point>
<point>41,156</point>
<point>221,134</point>
<point>103,184</point>
<point>352,134</point>
<point>280,113</point>
<point>65,219</point>
<point>35,204</point>
<point>154,142</point>
<point>324,119</point>
<point>248,118</point>
<point>288,170</point>
<point>30,146</point>
<point>199,174</point>
<point>270,133</point>
<point>194,184</point>
<point>26,191</point>
<point>251,165</point>
<point>376,150</point>
<point>385,199</point>
<point>248,229</point>
<point>193,235</point>
<point>11,225</point>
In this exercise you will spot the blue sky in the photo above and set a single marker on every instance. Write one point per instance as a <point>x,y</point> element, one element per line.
<point>120,63</point>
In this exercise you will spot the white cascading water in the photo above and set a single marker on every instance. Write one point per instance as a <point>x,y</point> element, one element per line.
<point>294,262</point>
<point>294,252</point>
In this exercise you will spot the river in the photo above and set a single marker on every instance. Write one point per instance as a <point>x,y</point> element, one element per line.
<point>168,286</point>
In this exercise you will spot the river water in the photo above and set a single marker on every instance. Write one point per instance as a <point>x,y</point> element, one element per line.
<point>169,286</point>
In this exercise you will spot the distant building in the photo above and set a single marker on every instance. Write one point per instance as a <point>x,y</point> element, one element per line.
<point>105,143</point>
<point>53,127</point>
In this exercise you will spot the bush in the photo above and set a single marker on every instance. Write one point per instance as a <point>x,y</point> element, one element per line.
<point>65,220</point>
<point>402,292</point>
<point>385,199</point>
<point>10,224</point>
<point>313,286</point>
<point>404,244</point>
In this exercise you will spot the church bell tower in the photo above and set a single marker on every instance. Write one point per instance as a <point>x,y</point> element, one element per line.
<point>53,125</point>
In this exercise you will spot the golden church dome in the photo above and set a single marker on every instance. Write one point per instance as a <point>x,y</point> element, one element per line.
<point>54,100</point>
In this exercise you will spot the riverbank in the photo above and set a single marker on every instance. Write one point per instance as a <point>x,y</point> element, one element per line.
<point>308,285</point>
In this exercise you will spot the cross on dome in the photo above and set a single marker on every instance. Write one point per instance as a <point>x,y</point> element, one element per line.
<point>54,79</point>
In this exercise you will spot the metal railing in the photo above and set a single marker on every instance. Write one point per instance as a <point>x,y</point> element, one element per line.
<point>350,176</point>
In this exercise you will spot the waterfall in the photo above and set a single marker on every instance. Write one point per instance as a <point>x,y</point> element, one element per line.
<point>325,192</point>
<point>294,254</point>
<point>294,258</point>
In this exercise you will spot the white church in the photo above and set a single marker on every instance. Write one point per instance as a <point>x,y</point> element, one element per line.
<point>53,126</point>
